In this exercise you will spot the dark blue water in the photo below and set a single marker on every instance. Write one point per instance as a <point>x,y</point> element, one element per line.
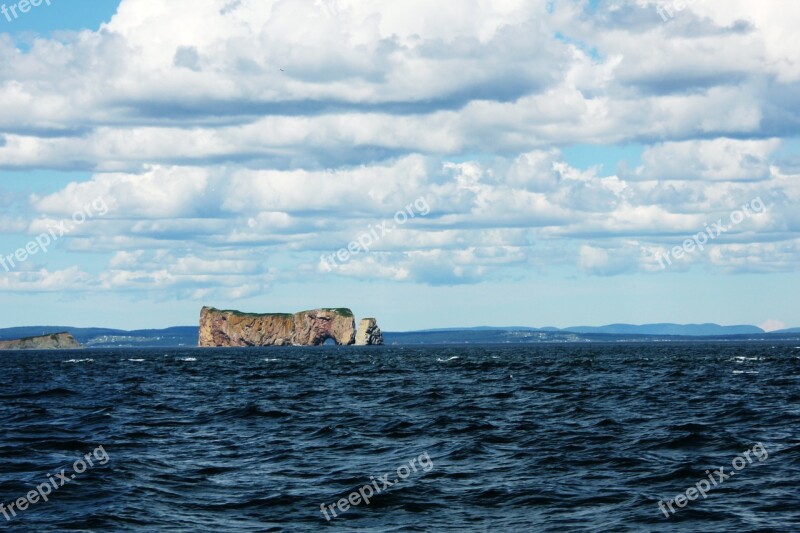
<point>519,438</point>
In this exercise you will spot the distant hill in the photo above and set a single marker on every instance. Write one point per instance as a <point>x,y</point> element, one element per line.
<point>188,335</point>
<point>691,330</point>
<point>484,328</point>
<point>683,330</point>
<point>467,336</point>
<point>112,338</point>
<point>530,337</point>
<point>56,341</point>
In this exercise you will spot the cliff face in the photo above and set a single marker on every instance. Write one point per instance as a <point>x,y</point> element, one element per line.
<point>368,332</point>
<point>56,341</point>
<point>315,327</point>
<point>307,328</point>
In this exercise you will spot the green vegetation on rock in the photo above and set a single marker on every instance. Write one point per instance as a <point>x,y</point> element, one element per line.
<point>254,315</point>
<point>341,310</point>
<point>52,336</point>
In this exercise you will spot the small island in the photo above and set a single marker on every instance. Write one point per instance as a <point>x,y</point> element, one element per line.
<point>55,341</point>
<point>306,328</point>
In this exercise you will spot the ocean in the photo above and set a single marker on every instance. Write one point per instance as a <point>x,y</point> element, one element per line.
<point>548,437</point>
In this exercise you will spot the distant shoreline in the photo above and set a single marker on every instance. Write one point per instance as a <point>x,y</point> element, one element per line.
<point>187,337</point>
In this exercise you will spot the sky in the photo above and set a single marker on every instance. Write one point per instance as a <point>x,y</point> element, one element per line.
<point>504,162</point>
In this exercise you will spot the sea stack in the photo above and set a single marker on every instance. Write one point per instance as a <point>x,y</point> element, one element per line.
<point>368,332</point>
<point>306,328</point>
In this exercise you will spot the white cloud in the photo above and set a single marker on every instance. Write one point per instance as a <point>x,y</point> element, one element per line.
<point>772,325</point>
<point>235,142</point>
<point>714,160</point>
<point>43,280</point>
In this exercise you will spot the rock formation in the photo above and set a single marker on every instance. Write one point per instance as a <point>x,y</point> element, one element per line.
<point>368,332</point>
<point>56,341</point>
<point>307,328</point>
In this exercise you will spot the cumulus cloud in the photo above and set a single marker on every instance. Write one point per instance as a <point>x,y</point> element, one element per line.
<point>481,221</point>
<point>70,279</point>
<point>715,160</point>
<point>772,325</point>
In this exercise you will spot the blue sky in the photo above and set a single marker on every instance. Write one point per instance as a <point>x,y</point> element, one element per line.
<point>60,15</point>
<point>222,151</point>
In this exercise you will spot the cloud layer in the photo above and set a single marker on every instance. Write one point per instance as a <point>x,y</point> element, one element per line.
<point>237,141</point>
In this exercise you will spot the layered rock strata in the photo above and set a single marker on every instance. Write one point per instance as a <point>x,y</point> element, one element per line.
<point>307,328</point>
<point>368,332</point>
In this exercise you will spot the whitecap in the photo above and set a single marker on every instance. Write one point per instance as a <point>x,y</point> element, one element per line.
<point>446,360</point>
<point>189,359</point>
<point>271,360</point>
<point>135,360</point>
<point>80,361</point>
